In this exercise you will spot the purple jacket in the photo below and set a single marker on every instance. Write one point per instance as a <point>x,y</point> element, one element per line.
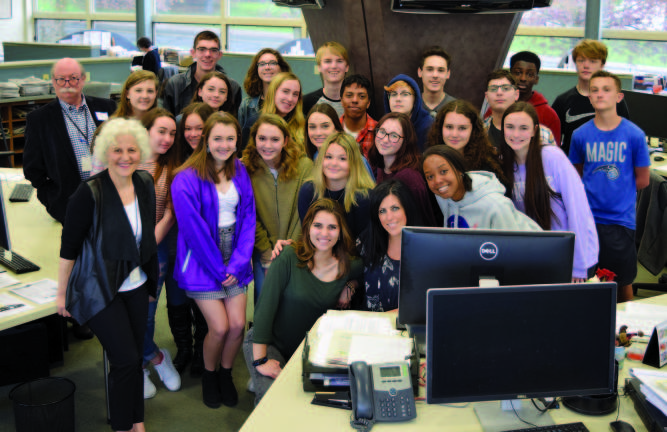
<point>199,265</point>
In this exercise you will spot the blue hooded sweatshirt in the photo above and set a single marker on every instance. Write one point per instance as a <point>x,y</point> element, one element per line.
<point>420,116</point>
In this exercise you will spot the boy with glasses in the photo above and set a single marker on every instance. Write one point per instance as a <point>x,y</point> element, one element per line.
<point>611,155</point>
<point>574,107</point>
<point>205,52</point>
<point>434,72</point>
<point>501,92</point>
<point>332,63</point>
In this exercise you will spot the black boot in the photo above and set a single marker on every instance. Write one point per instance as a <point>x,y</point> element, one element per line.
<point>197,366</point>
<point>180,322</point>
<point>228,394</point>
<point>210,389</point>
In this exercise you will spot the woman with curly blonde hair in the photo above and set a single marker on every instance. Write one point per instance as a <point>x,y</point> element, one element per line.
<point>278,168</point>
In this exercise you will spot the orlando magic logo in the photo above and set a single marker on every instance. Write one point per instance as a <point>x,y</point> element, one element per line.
<point>488,251</point>
<point>609,170</point>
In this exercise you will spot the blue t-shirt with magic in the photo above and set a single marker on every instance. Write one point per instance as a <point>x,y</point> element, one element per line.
<point>609,159</point>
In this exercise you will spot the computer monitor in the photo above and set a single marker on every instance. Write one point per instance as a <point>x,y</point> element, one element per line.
<point>4,228</point>
<point>520,342</point>
<point>454,258</point>
<point>647,111</point>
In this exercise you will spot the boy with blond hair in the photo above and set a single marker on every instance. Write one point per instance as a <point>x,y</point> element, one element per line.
<point>332,63</point>
<point>574,107</point>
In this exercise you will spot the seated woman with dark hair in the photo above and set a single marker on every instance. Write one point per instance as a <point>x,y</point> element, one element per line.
<point>302,284</point>
<point>391,208</point>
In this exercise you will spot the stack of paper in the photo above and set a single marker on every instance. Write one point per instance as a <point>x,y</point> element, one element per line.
<point>32,86</point>
<point>9,90</point>
<point>342,338</point>
<point>653,386</point>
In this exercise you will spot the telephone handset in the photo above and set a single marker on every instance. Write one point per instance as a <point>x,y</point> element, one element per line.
<point>381,392</point>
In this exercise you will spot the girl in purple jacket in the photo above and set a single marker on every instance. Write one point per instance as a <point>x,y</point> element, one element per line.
<point>545,186</point>
<point>215,209</point>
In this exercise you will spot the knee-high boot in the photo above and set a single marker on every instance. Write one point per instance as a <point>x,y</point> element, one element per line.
<point>201,329</point>
<point>180,322</point>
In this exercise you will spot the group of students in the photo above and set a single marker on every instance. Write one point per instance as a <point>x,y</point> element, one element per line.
<point>311,210</point>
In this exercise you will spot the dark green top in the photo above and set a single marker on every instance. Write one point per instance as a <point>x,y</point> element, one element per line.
<point>292,300</point>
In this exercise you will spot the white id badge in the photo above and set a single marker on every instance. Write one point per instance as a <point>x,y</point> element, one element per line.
<point>86,163</point>
<point>101,116</point>
<point>135,275</point>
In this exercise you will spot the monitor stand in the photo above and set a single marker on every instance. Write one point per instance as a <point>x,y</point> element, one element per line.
<point>496,416</point>
<point>418,333</point>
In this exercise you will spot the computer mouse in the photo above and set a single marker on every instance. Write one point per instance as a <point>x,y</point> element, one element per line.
<point>658,158</point>
<point>621,426</point>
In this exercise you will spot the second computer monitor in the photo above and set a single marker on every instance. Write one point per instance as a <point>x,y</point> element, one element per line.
<point>454,258</point>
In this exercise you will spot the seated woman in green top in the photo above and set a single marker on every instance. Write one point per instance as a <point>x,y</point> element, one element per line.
<point>305,280</point>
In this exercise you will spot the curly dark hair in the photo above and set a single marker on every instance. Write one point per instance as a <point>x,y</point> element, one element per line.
<point>479,153</point>
<point>252,84</point>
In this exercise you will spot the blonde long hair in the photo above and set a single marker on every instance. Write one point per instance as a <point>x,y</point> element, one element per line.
<point>359,181</point>
<point>295,120</point>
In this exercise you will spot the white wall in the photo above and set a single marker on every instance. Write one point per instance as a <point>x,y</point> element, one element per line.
<point>14,29</point>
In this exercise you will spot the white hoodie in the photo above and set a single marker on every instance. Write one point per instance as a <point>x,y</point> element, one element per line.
<point>485,207</point>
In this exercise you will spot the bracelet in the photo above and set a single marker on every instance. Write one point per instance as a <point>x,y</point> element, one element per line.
<point>260,362</point>
<point>349,285</point>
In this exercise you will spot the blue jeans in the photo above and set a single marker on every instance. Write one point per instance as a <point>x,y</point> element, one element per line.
<point>175,295</point>
<point>258,274</point>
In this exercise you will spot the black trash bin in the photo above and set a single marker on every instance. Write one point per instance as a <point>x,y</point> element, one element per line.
<point>44,405</point>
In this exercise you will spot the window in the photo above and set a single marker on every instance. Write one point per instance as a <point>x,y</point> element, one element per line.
<point>562,13</point>
<point>50,31</point>
<point>250,39</point>
<point>261,9</point>
<point>208,8</point>
<point>128,6</point>
<point>648,15</point>
<point>61,5</point>
<point>179,36</point>
<point>127,30</point>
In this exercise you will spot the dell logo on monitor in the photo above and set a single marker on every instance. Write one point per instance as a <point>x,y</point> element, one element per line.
<point>488,251</point>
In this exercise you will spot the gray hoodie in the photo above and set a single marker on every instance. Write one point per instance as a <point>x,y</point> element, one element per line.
<point>485,207</point>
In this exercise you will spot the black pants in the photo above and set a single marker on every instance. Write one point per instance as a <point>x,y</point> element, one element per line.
<point>120,328</point>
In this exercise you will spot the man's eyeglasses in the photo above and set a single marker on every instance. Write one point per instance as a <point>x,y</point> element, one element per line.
<point>393,137</point>
<point>270,63</point>
<point>214,51</point>
<point>402,94</point>
<point>72,80</point>
<point>504,87</point>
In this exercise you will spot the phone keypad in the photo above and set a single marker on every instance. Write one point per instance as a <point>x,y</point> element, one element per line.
<point>395,407</point>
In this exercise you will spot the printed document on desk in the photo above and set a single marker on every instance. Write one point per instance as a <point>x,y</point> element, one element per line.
<point>654,387</point>
<point>640,317</point>
<point>10,305</point>
<point>41,292</point>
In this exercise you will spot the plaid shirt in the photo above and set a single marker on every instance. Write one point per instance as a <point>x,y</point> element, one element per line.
<point>365,136</point>
<point>81,129</point>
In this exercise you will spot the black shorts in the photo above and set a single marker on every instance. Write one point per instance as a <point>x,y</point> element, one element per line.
<point>618,252</point>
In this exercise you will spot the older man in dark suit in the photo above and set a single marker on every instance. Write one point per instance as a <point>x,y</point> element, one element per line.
<point>58,137</point>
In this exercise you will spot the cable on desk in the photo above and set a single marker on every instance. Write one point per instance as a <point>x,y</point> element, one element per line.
<point>547,407</point>
<point>518,416</point>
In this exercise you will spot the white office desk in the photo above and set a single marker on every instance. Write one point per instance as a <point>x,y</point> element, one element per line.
<point>287,407</point>
<point>34,235</point>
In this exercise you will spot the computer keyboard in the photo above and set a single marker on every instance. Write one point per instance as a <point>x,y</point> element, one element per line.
<point>21,193</point>
<point>16,262</point>
<point>567,427</point>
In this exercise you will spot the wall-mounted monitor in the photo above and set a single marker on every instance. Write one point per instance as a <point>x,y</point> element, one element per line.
<point>466,6</point>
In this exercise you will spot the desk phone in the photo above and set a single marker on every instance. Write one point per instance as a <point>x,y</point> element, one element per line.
<point>381,392</point>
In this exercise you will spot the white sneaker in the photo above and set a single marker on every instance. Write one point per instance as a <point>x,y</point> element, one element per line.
<point>167,372</point>
<point>149,387</point>
<point>251,386</point>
